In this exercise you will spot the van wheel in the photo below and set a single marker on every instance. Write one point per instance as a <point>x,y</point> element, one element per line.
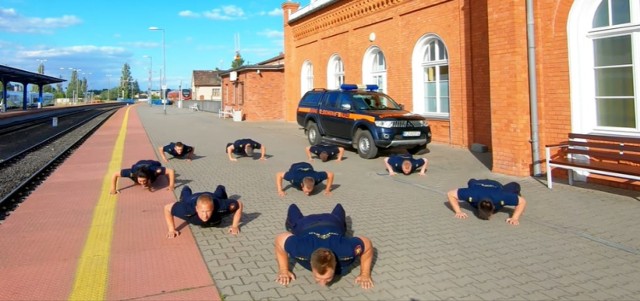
<point>367,149</point>
<point>313,135</point>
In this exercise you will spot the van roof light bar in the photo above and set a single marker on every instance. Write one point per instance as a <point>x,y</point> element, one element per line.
<point>351,87</point>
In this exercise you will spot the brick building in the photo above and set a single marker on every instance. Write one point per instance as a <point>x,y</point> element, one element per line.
<point>464,65</point>
<point>256,90</point>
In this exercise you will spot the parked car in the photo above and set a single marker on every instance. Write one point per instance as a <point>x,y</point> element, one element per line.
<point>362,118</point>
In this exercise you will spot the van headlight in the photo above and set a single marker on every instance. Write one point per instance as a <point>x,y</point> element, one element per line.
<point>384,123</point>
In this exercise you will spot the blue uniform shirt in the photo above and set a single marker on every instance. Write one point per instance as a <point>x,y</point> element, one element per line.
<point>239,145</point>
<point>498,197</point>
<point>154,169</point>
<point>186,209</point>
<point>485,183</point>
<point>346,249</point>
<point>170,149</point>
<point>332,150</point>
<point>396,162</point>
<point>301,170</point>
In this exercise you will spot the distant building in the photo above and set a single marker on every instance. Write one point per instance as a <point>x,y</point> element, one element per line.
<point>206,85</point>
<point>257,90</point>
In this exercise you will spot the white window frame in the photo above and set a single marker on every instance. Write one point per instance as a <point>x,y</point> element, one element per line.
<point>306,77</point>
<point>580,36</point>
<point>372,72</point>
<point>418,70</point>
<point>335,72</point>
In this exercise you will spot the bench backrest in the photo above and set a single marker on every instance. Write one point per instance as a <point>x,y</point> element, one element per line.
<point>605,147</point>
<point>228,108</point>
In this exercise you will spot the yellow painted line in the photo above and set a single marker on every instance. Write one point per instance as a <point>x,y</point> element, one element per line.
<point>93,267</point>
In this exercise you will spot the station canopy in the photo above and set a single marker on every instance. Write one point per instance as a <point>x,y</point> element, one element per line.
<point>10,74</point>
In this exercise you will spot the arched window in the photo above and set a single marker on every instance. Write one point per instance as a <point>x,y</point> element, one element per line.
<point>374,69</point>
<point>604,72</point>
<point>335,72</point>
<point>306,77</point>
<point>430,77</point>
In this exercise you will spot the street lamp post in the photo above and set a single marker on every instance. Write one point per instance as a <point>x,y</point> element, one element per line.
<point>164,70</point>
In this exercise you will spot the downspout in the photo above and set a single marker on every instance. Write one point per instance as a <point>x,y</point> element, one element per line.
<point>533,89</point>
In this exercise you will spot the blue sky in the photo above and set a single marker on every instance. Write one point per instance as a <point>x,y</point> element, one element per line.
<point>99,37</point>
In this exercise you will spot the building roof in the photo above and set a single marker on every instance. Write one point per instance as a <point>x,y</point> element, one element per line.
<point>276,60</point>
<point>10,74</point>
<point>206,78</point>
<point>314,6</point>
<point>246,68</point>
<point>274,63</point>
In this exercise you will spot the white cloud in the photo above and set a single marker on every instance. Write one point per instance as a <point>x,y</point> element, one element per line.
<point>272,13</point>
<point>232,10</point>
<point>142,44</point>
<point>80,50</point>
<point>11,21</point>
<point>226,13</point>
<point>275,12</point>
<point>95,61</point>
<point>188,14</point>
<point>8,12</point>
<point>270,33</point>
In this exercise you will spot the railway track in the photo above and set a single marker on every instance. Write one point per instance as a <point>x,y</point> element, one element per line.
<point>32,151</point>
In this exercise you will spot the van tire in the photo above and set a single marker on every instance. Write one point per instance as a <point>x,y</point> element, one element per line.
<point>313,134</point>
<point>365,145</point>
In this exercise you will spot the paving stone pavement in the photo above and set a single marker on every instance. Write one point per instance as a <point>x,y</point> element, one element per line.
<point>573,242</point>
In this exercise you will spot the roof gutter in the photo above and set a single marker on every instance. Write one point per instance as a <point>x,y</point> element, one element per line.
<point>313,7</point>
<point>533,89</point>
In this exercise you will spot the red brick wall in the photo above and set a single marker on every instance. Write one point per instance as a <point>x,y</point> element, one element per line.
<point>316,42</point>
<point>487,46</point>
<point>259,96</point>
<point>509,87</point>
<point>553,72</point>
<point>291,66</point>
<point>479,109</point>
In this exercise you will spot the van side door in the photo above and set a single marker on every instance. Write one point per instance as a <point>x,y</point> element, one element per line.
<point>336,111</point>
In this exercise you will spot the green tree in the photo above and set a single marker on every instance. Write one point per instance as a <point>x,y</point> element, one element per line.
<point>237,61</point>
<point>126,82</point>
<point>74,85</point>
<point>83,87</point>
<point>59,91</point>
<point>46,88</point>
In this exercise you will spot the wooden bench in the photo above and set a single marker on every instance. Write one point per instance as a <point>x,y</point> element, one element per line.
<point>227,111</point>
<point>599,154</point>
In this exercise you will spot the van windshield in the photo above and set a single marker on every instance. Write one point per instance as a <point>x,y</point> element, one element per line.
<point>375,102</point>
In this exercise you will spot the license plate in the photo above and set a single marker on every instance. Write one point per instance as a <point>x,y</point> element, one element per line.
<point>411,134</point>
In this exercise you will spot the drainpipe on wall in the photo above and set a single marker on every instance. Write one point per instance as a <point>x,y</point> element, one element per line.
<point>533,89</point>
